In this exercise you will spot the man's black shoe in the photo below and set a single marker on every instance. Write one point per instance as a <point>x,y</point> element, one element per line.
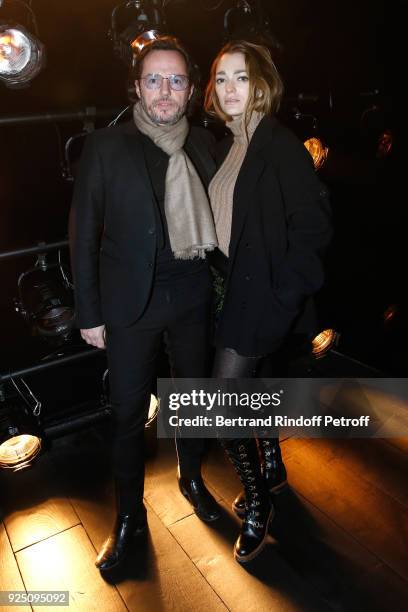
<point>118,544</point>
<point>195,491</point>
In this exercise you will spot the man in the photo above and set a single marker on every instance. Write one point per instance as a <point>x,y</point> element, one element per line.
<point>142,227</point>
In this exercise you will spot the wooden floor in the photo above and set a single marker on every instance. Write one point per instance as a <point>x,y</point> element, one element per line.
<point>338,542</point>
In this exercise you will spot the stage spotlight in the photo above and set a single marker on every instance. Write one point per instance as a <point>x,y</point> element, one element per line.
<point>141,41</point>
<point>22,55</point>
<point>20,438</point>
<point>249,21</point>
<point>306,128</point>
<point>45,300</point>
<point>323,342</point>
<point>134,23</point>
<point>375,135</point>
<point>240,20</point>
<point>317,150</point>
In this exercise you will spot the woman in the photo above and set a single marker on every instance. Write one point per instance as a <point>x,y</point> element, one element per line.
<point>273,223</point>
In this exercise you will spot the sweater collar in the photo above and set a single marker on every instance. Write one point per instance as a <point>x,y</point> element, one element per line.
<point>237,127</point>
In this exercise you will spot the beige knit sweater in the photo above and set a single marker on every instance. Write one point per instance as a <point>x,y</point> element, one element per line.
<point>221,189</point>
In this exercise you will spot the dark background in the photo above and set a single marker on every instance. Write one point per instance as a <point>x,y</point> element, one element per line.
<point>338,50</point>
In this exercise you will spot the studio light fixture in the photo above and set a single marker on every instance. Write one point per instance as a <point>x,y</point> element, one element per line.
<point>306,128</point>
<point>45,299</point>
<point>20,435</point>
<point>376,137</point>
<point>317,150</point>
<point>133,24</point>
<point>246,19</point>
<point>22,55</point>
<point>142,40</point>
<point>323,342</point>
<point>238,19</point>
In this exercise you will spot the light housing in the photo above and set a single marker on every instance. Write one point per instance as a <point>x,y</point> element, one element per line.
<point>240,20</point>
<point>20,438</point>
<point>323,342</point>
<point>133,23</point>
<point>317,150</point>
<point>248,20</point>
<point>45,300</point>
<point>143,39</point>
<point>22,56</point>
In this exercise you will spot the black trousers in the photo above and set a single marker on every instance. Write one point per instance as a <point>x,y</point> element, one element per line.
<point>179,314</point>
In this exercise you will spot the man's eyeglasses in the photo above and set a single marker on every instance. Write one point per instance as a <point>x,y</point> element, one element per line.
<point>178,82</point>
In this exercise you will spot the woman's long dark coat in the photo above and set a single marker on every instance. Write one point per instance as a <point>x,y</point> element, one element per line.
<point>280,230</point>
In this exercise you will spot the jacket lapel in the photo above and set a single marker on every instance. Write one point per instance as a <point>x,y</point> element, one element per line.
<point>251,169</point>
<point>248,176</point>
<point>134,148</point>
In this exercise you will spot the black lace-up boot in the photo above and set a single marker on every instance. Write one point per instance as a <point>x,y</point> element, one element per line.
<point>273,470</point>
<point>258,506</point>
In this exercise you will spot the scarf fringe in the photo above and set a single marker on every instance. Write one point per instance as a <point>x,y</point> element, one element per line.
<point>194,252</point>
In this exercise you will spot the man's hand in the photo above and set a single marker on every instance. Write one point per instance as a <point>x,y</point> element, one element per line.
<point>94,336</point>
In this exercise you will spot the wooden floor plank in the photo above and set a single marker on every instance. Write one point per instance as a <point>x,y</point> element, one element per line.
<point>10,578</point>
<point>64,562</point>
<point>375,461</point>
<point>387,406</point>
<point>158,575</point>
<point>34,504</point>
<point>161,487</point>
<point>337,541</point>
<point>318,550</point>
<point>84,464</point>
<point>330,559</point>
<point>372,517</point>
<point>267,583</point>
<point>400,443</point>
<point>169,579</point>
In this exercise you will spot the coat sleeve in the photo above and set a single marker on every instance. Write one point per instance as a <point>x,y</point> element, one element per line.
<point>86,226</point>
<point>308,226</point>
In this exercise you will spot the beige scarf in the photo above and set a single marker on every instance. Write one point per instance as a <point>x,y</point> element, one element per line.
<point>222,186</point>
<point>188,213</point>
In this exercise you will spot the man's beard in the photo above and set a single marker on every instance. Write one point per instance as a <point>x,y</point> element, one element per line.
<point>155,115</point>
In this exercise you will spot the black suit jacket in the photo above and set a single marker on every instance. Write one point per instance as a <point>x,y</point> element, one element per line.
<point>280,229</point>
<point>114,240</point>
